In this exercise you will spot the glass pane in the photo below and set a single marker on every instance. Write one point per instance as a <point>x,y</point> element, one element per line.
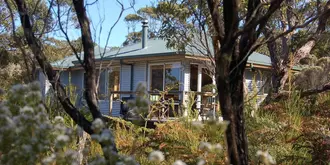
<point>156,77</point>
<point>193,77</point>
<point>114,81</point>
<point>172,75</point>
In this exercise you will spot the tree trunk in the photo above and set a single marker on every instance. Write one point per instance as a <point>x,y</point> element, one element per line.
<point>231,99</point>
<point>278,80</point>
<point>46,68</point>
<point>281,62</point>
<point>89,66</point>
<point>89,59</point>
<point>281,68</point>
<point>81,147</point>
<point>232,47</point>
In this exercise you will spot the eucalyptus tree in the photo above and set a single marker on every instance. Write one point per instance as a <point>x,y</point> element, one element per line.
<point>291,46</point>
<point>18,63</point>
<point>132,20</point>
<point>228,31</point>
<point>77,11</point>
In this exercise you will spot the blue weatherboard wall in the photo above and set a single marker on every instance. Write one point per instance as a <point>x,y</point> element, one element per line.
<point>125,79</point>
<point>259,77</point>
<point>130,76</point>
<point>140,74</point>
<point>103,83</point>
<point>77,79</point>
<point>64,77</point>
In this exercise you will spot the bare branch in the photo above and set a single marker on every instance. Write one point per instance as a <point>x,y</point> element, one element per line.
<point>36,48</point>
<point>325,88</point>
<point>18,42</point>
<point>218,26</point>
<point>66,34</point>
<point>261,21</point>
<point>89,4</point>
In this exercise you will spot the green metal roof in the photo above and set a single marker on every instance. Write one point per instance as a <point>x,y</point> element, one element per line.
<point>70,60</point>
<point>155,47</point>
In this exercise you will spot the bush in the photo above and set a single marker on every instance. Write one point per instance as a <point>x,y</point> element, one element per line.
<point>289,131</point>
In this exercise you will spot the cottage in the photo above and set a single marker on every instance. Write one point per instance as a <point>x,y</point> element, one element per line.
<point>152,63</point>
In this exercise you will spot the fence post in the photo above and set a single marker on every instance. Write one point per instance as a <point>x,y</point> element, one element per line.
<point>110,103</point>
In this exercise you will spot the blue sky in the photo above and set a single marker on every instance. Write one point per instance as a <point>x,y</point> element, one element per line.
<point>109,10</point>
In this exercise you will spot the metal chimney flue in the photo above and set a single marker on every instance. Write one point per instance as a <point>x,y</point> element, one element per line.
<point>144,33</point>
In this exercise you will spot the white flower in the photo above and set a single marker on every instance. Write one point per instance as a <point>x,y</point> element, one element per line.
<point>34,94</point>
<point>26,109</point>
<point>59,119</point>
<point>71,153</point>
<point>41,108</point>
<point>98,161</point>
<point>156,156</point>
<point>224,123</point>
<point>197,124</point>
<point>105,136</point>
<point>10,123</point>
<point>34,86</point>
<point>49,159</point>
<point>4,110</point>
<point>201,162</point>
<point>217,148</point>
<point>27,148</point>
<point>266,157</point>
<point>62,138</point>
<point>97,125</point>
<point>128,160</point>
<point>205,146</point>
<point>179,162</point>
<point>18,88</point>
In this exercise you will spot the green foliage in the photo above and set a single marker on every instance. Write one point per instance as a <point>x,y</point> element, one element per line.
<point>132,38</point>
<point>147,12</point>
<point>144,13</point>
<point>177,140</point>
<point>176,28</point>
<point>133,18</point>
<point>209,88</point>
<point>158,106</point>
<point>54,107</point>
<point>321,49</point>
<point>27,136</point>
<point>289,131</point>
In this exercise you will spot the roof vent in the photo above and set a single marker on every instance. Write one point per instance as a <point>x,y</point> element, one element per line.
<point>144,33</point>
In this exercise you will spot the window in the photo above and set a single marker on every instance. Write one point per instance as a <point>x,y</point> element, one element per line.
<point>164,76</point>
<point>156,77</point>
<point>172,75</point>
<point>114,82</point>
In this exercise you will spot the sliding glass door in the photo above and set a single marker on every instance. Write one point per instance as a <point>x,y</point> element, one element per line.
<point>164,77</point>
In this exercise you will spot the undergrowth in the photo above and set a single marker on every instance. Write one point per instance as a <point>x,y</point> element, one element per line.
<point>293,131</point>
<point>289,130</point>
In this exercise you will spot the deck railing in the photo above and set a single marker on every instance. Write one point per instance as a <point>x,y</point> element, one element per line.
<point>178,96</point>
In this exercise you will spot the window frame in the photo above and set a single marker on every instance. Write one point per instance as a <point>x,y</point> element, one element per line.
<point>114,68</point>
<point>164,68</point>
